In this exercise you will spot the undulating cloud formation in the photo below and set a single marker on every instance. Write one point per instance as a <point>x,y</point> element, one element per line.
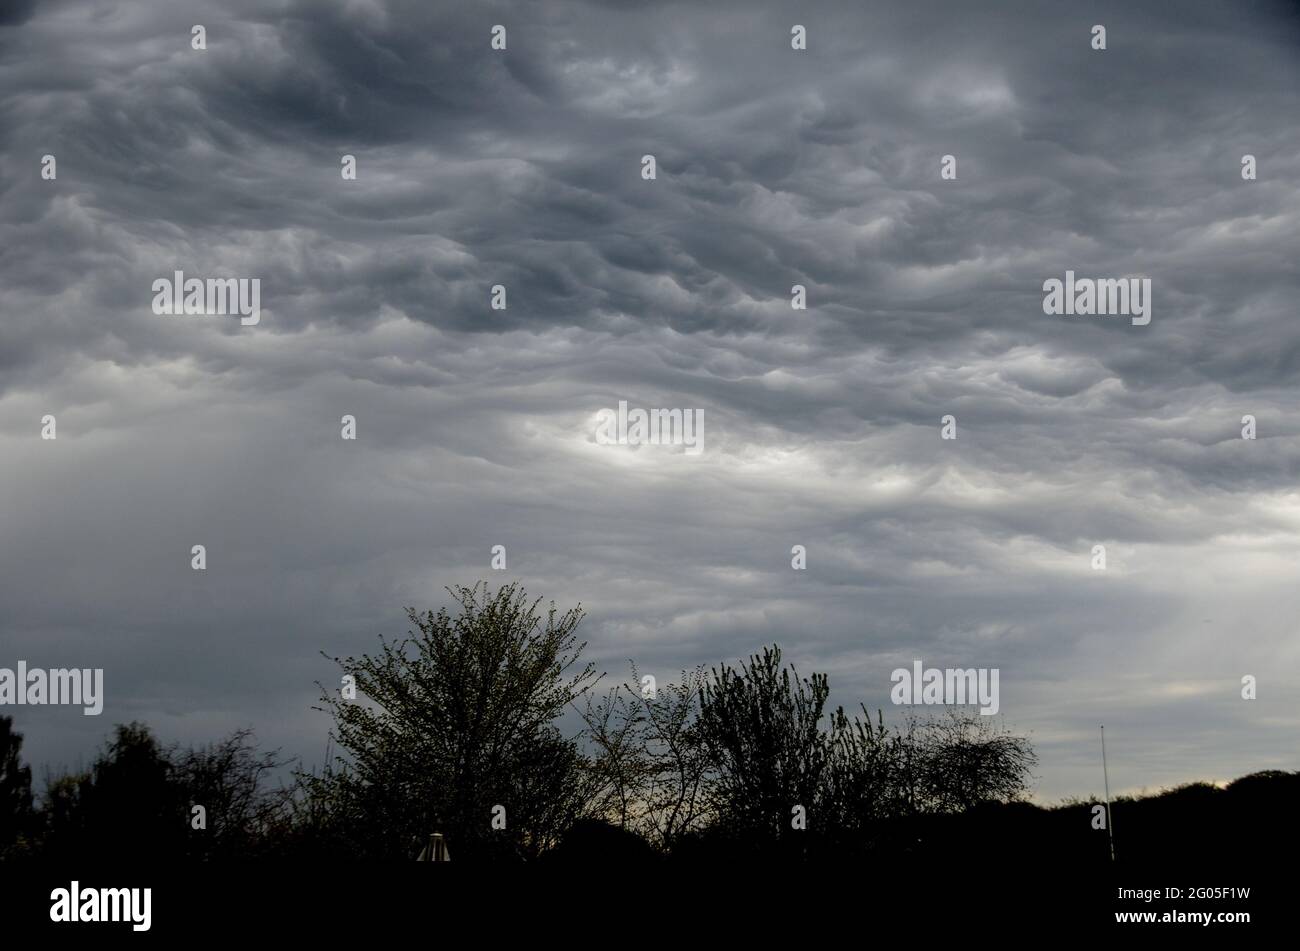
<point>477,426</point>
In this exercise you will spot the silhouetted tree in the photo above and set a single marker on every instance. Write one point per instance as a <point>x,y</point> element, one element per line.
<point>137,800</point>
<point>858,782</point>
<point>63,819</point>
<point>230,779</point>
<point>866,782</point>
<point>454,720</point>
<point>761,726</point>
<point>651,763</point>
<point>620,768</point>
<point>965,760</point>
<point>16,815</point>
<point>125,805</point>
<point>130,806</point>
<point>882,781</point>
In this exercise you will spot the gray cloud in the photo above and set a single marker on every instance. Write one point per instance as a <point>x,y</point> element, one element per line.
<point>476,426</point>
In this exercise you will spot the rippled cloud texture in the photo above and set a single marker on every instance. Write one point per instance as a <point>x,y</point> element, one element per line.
<point>476,427</point>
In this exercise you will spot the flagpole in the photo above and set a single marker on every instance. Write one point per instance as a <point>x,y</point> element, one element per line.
<point>1110,829</point>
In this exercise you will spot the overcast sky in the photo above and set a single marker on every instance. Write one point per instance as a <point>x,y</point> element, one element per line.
<point>821,427</point>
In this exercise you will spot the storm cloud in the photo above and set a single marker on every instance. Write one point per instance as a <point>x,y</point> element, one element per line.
<point>475,426</point>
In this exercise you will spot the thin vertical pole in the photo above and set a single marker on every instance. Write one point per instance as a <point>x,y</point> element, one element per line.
<point>1110,828</point>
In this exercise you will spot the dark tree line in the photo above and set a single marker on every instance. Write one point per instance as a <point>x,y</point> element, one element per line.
<point>138,798</point>
<point>459,728</point>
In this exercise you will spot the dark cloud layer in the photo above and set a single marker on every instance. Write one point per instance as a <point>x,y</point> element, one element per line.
<point>821,426</point>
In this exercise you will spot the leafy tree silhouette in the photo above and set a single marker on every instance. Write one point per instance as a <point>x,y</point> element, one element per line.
<point>761,725</point>
<point>453,721</point>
